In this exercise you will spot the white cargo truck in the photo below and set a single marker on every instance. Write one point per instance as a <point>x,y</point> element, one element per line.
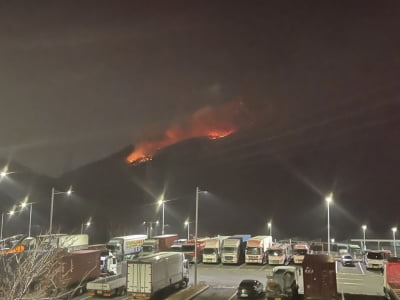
<point>256,249</point>
<point>212,250</point>
<point>150,274</point>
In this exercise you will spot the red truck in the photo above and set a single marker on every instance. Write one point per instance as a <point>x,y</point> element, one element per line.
<point>165,241</point>
<point>391,278</point>
<point>189,250</point>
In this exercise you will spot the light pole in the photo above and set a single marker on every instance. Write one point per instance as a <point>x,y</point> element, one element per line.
<point>53,193</point>
<point>329,200</point>
<point>270,228</point>
<point>394,229</point>
<point>87,224</point>
<point>195,233</point>
<point>162,202</point>
<point>23,205</point>
<point>364,228</point>
<point>187,223</point>
<point>2,222</point>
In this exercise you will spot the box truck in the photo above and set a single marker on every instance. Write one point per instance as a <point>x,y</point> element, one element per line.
<point>150,274</point>
<point>212,250</point>
<point>279,254</point>
<point>122,248</point>
<point>158,243</point>
<point>256,249</point>
<point>188,248</point>
<point>391,278</point>
<point>233,249</point>
<point>300,251</point>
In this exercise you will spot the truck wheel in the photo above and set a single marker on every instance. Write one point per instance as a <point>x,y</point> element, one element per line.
<point>183,284</point>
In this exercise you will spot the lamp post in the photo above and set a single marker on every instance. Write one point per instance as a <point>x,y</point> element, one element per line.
<point>195,233</point>
<point>53,193</point>
<point>87,224</point>
<point>394,229</point>
<point>187,223</point>
<point>23,205</point>
<point>364,228</point>
<point>329,200</point>
<point>162,202</point>
<point>150,232</point>
<point>270,228</point>
<point>2,223</point>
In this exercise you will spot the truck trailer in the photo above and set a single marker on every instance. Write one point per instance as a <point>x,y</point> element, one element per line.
<point>391,278</point>
<point>256,249</point>
<point>150,274</point>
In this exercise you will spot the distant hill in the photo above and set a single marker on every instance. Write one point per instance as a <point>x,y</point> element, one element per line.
<point>253,176</point>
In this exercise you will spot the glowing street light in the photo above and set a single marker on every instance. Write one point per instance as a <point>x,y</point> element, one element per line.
<point>53,193</point>
<point>394,229</point>
<point>187,224</point>
<point>162,202</point>
<point>364,228</point>
<point>87,225</point>
<point>270,227</point>
<point>24,204</point>
<point>329,199</point>
<point>195,233</point>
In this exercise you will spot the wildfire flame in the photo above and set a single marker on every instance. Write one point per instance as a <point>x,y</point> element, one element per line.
<point>211,122</point>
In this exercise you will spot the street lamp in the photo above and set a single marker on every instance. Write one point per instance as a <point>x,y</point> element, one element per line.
<point>195,233</point>
<point>23,205</point>
<point>162,202</point>
<point>2,223</point>
<point>53,193</point>
<point>394,229</point>
<point>187,223</point>
<point>329,200</point>
<point>270,228</point>
<point>151,227</point>
<point>87,224</point>
<point>364,228</point>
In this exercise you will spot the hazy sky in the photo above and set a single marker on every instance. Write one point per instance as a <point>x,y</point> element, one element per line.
<point>79,81</point>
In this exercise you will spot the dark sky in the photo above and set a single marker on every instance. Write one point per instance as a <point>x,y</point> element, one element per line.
<point>79,81</point>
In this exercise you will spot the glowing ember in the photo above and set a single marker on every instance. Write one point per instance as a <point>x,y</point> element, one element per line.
<point>213,123</point>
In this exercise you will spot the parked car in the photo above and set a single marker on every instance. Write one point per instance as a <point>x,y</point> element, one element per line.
<point>249,288</point>
<point>347,260</point>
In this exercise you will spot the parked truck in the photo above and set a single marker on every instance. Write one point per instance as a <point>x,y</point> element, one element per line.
<point>300,251</point>
<point>188,248</point>
<point>233,249</point>
<point>158,243</point>
<point>391,279</point>
<point>279,254</point>
<point>122,248</point>
<point>74,270</point>
<point>256,249</point>
<point>150,274</point>
<point>284,282</point>
<point>212,250</point>
<point>110,285</point>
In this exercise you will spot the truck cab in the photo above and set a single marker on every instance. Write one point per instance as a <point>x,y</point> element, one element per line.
<point>283,282</point>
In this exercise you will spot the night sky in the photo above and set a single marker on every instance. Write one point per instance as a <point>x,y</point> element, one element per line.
<point>319,83</point>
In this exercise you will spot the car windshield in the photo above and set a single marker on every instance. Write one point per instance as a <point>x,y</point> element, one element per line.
<point>247,284</point>
<point>229,249</point>
<point>253,251</point>
<point>347,257</point>
<point>187,248</point>
<point>374,255</point>
<point>275,252</point>
<point>300,251</point>
<point>208,251</point>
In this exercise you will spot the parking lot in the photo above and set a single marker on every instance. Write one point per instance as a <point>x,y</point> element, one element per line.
<point>223,280</point>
